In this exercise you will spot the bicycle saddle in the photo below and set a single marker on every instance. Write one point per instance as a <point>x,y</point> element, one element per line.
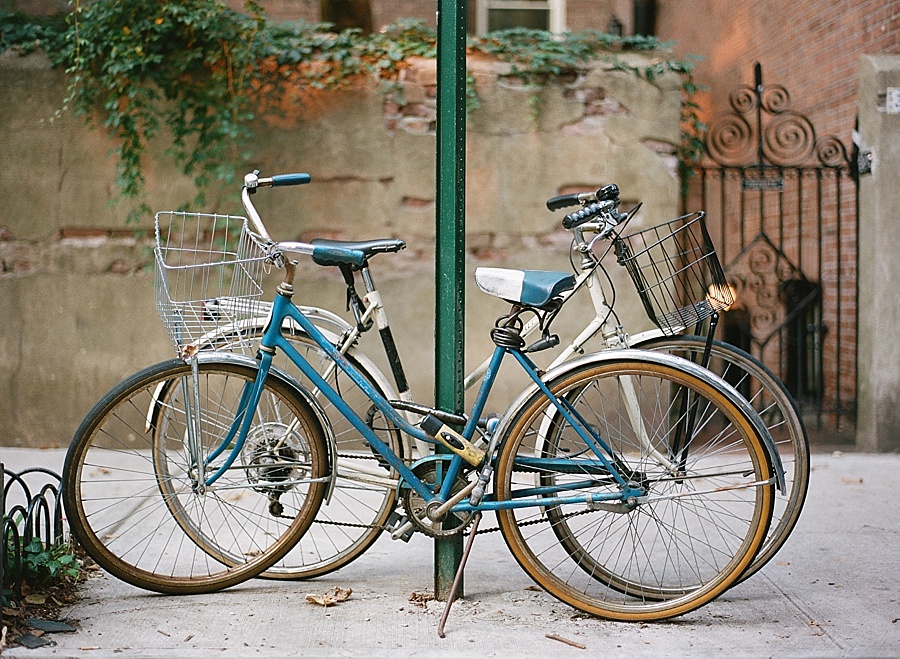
<point>533,288</point>
<point>367,247</point>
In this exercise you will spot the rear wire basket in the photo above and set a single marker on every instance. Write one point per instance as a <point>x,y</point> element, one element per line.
<point>208,280</point>
<point>677,273</point>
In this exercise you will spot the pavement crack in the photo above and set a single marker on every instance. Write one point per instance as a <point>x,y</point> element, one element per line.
<point>806,615</point>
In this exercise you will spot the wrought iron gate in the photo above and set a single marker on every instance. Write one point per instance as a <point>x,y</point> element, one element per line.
<point>782,209</point>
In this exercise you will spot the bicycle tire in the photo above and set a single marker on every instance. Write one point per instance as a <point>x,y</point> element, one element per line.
<point>134,506</point>
<point>669,554</point>
<point>780,414</point>
<point>364,494</point>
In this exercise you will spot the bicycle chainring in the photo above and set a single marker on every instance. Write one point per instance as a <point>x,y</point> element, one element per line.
<point>417,509</point>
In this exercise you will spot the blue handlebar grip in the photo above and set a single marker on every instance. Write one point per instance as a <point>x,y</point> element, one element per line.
<point>327,255</point>
<point>290,179</point>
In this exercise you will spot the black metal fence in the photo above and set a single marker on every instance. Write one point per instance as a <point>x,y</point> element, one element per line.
<point>32,510</point>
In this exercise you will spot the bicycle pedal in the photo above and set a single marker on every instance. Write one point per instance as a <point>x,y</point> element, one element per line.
<point>400,527</point>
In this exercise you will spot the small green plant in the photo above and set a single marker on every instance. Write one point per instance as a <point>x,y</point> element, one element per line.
<point>40,566</point>
<point>44,565</point>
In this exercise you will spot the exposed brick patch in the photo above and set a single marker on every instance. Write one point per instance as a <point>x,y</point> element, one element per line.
<point>413,203</point>
<point>120,267</point>
<point>81,232</point>
<point>421,71</point>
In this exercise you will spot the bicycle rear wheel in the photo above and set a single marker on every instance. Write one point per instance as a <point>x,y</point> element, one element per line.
<point>671,430</point>
<point>775,406</point>
<point>364,494</point>
<point>133,498</point>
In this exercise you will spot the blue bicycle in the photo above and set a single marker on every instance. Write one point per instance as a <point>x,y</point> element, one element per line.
<point>632,485</point>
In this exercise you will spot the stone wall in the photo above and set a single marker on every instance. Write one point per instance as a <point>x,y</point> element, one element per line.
<point>76,283</point>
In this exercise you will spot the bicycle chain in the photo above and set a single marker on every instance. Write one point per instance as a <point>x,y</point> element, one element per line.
<point>539,520</point>
<point>479,532</point>
<point>388,528</point>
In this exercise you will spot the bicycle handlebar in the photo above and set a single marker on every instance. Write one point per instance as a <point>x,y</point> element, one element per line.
<point>586,214</point>
<point>603,203</point>
<point>290,179</point>
<point>323,255</point>
<point>606,193</point>
<point>574,199</point>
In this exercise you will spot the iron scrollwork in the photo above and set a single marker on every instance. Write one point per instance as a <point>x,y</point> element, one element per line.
<point>779,135</point>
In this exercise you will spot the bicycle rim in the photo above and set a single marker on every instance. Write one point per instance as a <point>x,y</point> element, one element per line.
<point>133,501</point>
<point>682,545</point>
<point>775,406</point>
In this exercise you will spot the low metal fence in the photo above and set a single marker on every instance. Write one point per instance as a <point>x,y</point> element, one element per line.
<point>32,509</point>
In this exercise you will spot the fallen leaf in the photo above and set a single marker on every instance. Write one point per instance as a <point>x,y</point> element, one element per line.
<point>330,599</point>
<point>36,598</point>
<point>851,481</point>
<point>420,599</point>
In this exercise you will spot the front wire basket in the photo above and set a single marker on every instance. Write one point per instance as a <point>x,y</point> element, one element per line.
<point>676,271</point>
<point>208,280</point>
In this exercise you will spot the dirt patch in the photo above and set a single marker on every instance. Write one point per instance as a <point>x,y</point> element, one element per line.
<point>27,618</point>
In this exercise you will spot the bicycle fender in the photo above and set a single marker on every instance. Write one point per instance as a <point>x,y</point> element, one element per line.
<point>663,359</point>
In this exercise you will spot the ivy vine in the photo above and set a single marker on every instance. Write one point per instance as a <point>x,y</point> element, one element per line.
<point>204,72</point>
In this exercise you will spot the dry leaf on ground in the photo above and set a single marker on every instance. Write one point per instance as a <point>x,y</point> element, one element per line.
<point>337,596</point>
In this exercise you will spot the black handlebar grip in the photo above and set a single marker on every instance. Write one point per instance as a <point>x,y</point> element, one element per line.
<point>562,201</point>
<point>587,213</point>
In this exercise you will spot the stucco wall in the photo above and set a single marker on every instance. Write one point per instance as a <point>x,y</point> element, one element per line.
<point>878,426</point>
<point>76,290</point>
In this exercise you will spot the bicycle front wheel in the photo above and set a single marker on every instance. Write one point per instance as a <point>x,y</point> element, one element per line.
<point>134,497</point>
<point>778,411</point>
<point>668,428</point>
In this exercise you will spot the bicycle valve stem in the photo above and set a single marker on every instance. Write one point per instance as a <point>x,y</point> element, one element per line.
<point>452,440</point>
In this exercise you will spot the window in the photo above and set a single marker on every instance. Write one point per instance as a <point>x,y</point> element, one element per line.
<point>537,14</point>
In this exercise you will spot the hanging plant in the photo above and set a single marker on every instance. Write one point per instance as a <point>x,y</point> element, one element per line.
<point>204,72</point>
<point>188,66</point>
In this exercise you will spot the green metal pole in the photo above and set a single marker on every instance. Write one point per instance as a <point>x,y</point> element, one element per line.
<point>450,243</point>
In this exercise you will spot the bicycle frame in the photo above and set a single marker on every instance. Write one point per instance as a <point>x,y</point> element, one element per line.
<point>273,339</point>
<point>373,310</point>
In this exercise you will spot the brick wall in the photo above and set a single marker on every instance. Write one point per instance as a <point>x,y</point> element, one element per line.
<point>812,49</point>
<point>809,46</point>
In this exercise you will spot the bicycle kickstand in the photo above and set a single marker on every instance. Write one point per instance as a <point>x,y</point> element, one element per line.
<point>459,573</point>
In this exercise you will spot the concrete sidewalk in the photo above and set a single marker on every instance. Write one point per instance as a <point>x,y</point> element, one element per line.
<point>832,591</point>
